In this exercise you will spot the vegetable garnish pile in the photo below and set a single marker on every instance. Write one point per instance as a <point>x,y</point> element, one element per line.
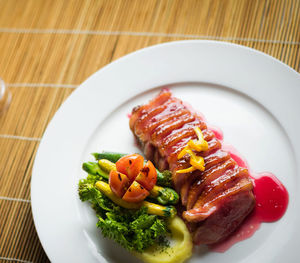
<point>135,206</point>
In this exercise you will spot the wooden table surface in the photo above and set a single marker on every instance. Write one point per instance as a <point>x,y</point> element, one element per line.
<point>49,47</point>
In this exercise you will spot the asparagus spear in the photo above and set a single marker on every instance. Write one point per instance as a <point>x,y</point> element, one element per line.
<point>111,156</point>
<point>94,169</point>
<point>164,195</point>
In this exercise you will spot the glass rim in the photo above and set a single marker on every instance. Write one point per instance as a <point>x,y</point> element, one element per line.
<point>5,97</point>
<point>2,88</point>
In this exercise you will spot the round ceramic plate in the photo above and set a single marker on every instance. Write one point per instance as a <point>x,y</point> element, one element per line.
<point>252,97</point>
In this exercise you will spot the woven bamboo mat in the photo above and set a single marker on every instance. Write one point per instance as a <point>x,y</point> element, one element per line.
<point>49,47</point>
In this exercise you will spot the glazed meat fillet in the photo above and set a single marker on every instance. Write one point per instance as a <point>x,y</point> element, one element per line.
<point>215,201</point>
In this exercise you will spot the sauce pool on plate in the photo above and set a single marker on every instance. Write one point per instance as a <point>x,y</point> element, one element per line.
<point>271,203</point>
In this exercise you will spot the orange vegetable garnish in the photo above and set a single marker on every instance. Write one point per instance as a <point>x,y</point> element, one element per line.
<point>133,179</point>
<point>196,162</point>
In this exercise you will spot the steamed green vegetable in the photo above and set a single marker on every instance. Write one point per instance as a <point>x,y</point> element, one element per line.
<point>111,156</point>
<point>94,169</point>
<point>164,195</point>
<point>136,231</point>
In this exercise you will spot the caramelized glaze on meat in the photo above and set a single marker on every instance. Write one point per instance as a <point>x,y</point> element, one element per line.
<point>216,200</point>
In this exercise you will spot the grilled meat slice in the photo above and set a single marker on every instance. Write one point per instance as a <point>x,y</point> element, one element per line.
<point>216,200</point>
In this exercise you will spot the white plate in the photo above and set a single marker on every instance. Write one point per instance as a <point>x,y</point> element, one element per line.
<point>251,96</point>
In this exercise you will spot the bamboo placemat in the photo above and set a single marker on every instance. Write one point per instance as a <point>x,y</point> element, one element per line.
<point>49,47</point>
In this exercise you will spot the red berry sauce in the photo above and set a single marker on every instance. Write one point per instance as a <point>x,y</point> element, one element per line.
<point>271,203</point>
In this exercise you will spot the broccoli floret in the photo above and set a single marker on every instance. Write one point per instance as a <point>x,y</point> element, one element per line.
<point>136,231</point>
<point>115,230</point>
<point>148,230</point>
<point>87,192</point>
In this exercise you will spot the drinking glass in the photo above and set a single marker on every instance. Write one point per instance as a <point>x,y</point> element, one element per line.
<point>5,97</point>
